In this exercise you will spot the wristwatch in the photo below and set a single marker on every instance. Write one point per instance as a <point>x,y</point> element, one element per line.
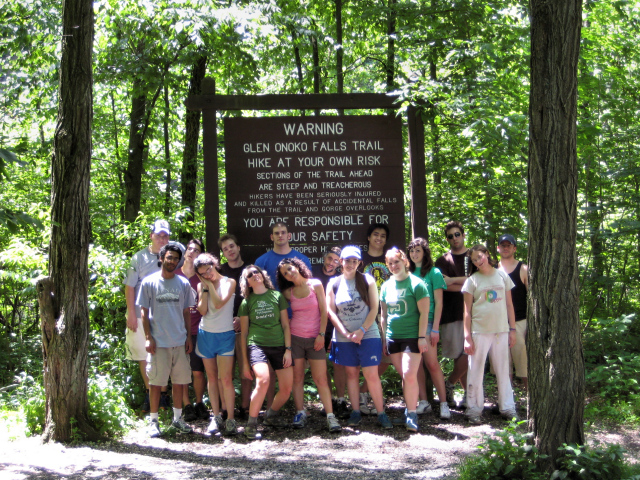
<point>288,348</point>
<point>205,290</point>
<point>321,334</point>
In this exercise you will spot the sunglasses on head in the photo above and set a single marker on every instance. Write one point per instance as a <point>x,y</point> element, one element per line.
<point>451,235</point>
<point>252,273</point>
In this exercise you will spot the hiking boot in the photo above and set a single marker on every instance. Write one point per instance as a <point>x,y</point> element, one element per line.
<point>365,407</point>
<point>153,430</point>
<point>243,413</point>
<point>445,414</point>
<point>251,432</point>
<point>511,415</point>
<point>451,399</point>
<point>300,420</point>
<point>332,423</point>
<point>423,407</point>
<point>216,425</point>
<point>189,413</point>
<point>384,421</point>
<point>411,422</point>
<point>230,427</point>
<point>202,411</point>
<point>165,401</point>
<point>474,420</point>
<point>341,409</point>
<point>276,421</point>
<point>181,427</point>
<point>145,404</point>
<point>354,419</point>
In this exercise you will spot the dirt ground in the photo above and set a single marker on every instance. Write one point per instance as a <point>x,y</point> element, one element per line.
<point>358,453</point>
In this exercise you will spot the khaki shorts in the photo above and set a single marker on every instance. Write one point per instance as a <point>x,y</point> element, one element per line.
<point>519,350</point>
<point>303,348</point>
<point>136,343</point>
<point>452,339</point>
<point>169,362</point>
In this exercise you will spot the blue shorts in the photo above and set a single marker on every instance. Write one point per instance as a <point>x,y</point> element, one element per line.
<point>210,345</point>
<point>349,354</point>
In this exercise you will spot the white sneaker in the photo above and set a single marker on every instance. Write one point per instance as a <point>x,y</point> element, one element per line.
<point>365,408</point>
<point>445,414</point>
<point>423,407</point>
<point>216,425</point>
<point>153,430</point>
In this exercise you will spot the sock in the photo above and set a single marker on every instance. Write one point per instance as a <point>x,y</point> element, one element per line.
<point>303,412</point>
<point>272,413</point>
<point>153,416</point>
<point>412,411</point>
<point>252,421</point>
<point>341,399</point>
<point>330,415</point>
<point>177,413</point>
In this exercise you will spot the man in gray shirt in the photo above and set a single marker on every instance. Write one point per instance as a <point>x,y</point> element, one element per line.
<point>164,300</point>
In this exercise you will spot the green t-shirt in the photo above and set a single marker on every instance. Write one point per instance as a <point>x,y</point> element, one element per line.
<point>401,298</point>
<point>433,280</point>
<point>263,311</point>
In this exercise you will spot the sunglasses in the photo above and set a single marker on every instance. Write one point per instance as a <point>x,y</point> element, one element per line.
<point>252,273</point>
<point>451,235</point>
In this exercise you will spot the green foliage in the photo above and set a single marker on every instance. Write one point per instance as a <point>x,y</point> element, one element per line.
<point>510,454</point>
<point>108,408</point>
<point>28,400</point>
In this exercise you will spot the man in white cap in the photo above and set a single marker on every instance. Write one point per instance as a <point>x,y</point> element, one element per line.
<point>144,263</point>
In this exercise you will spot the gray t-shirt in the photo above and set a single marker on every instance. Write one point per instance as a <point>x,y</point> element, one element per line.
<point>143,264</point>
<point>352,310</point>
<point>166,299</point>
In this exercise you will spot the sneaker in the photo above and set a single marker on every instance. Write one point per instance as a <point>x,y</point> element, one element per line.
<point>384,421</point>
<point>365,408</point>
<point>165,401</point>
<point>474,420</point>
<point>300,420</point>
<point>230,427</point>
<point>402,420</point>
<point>423,407</point>
<point>445,414</point>
<point>332,424</point>
<point>153,430</point>
<point>216,425</point>
<point>511,415</point>
<point>451,400</point>
<point>354,419</point>
<point>189,413</point>
<point>251,432</point>
<point>181,427</point>
<point>411,423</point>
<point>276,421</point>
<point>145,405</point>
<point>202,411</point>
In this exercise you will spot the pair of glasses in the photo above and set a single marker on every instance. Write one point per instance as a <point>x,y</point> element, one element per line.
<point>206,272</point>
<point>252,273</point>
<point>193,249</point>
<point>451,235</point>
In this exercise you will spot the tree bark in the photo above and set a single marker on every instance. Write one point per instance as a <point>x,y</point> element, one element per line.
<point>133,174</point>
<point>63,295</point>
<point>556,364</point>
<point>190,154</point>
<point>167,151</point>
<point>339,52</point>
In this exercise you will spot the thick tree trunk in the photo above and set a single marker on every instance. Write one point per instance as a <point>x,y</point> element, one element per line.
<point>556,364</point>
<point>63,296</point>
<point>190,154</point>
<point>133,174</point>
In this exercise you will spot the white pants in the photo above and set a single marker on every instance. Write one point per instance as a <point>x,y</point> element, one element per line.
<point>496,345</point>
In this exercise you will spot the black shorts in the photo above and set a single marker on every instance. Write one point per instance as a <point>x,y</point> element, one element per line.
<point>197,365</point>
<point>402,345</point>
<point>271,355</point>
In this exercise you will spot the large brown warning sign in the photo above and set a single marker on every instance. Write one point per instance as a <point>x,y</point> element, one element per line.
<point>328,178</point>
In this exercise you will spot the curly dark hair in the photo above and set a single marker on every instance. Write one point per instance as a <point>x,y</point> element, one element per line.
<point>245,289</point>
<point>283,283</point>
<point>427,261</point>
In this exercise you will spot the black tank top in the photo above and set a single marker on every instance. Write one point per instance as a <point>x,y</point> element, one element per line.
<point>519,294</point>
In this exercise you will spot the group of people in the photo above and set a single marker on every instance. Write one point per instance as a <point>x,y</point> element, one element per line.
<point>188,313</point>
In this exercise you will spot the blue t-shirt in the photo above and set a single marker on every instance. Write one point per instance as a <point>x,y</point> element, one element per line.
<point>166,299</point>
<point>270,260</point>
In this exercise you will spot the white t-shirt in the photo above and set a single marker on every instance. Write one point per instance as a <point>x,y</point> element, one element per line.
<point>489,310</point>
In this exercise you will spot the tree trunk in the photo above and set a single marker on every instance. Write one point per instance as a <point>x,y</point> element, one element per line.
<point>133,174</point>
<point>391,47</point>
<point>63,295</point>
<point>190,154</point>
<point>556,365</point>
<point>339,52</point>
<point>167,151</point>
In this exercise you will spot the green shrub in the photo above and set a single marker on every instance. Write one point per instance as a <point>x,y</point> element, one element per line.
<point>108,408</point>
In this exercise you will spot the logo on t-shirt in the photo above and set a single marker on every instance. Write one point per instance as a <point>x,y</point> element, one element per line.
<point>492,296</point>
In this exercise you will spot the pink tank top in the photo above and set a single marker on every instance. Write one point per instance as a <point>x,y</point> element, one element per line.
<point>305,317</point>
